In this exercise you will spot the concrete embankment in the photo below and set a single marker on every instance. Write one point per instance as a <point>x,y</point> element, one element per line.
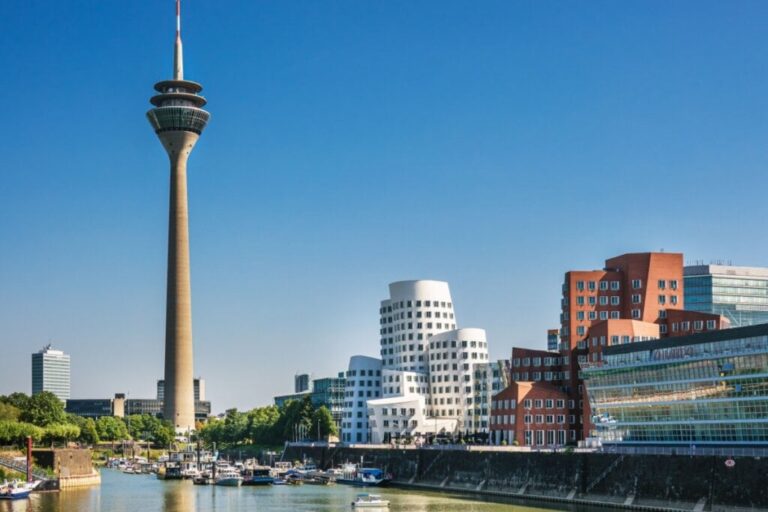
<point>638,482</point>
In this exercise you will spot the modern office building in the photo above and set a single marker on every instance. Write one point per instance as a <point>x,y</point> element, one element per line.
<point>90,407</point>
<point>489,379</point>
<point>363,383</point>
<point>414,312</point>
<point>302,382</point>
<point>327,391</point>
<point>198,385</point>
<point>740,294</point>
<point>702,389</point>
<point>121,406</point>
<point>51,372</point>
<point>633,298</point>
<point>178,120</point>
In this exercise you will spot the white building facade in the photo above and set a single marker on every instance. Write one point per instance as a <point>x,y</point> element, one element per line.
<point>363,383</point>
<point>427,369</point>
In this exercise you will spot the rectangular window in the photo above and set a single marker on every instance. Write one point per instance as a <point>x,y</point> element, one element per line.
<point>673,299</point>
<point>637,284</point>
<point>710,324</point>
<point>603,300</point>
<point>603,285</point>
<point>673,284</point>
<point>635,313</point>
<point>637,298</point>
<point>615,300</point>
<point>615,285</point>
<point>662,300</point>
<point>662,284</point>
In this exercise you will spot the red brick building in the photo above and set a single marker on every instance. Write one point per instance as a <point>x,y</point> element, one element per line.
<point>636,297</point>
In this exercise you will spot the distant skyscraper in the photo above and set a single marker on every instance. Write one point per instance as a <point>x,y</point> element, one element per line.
<point>178,119</point>
<point>738,293</point>
<point>50,372</point>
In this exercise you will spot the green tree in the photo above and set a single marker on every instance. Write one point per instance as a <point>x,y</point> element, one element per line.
<point>9,412</point>
<point>323,419</point>
<point>61,433</point>
<point>111,428</point>
<point>16,432</point>
<point>43,409</point>
<point>18,400</point>
<point>87,426</point>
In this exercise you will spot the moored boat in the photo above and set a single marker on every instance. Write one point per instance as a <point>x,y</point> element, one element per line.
<point>364,477</point>
<point>229,478</point>
<point>372,501</point>
<point>258,476</point>
<point>15,490</point>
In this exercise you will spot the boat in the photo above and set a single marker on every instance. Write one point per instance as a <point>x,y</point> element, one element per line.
<point>364,477</point>
<point>279,481</point>
<point>203,478</point>
<point>169,471</point>
<point>15,490</point>
<point>229,478</point>
<point>258,476</point>
<point>370,501</point>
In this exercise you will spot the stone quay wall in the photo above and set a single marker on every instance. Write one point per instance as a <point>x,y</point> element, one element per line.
<point>640,482</point>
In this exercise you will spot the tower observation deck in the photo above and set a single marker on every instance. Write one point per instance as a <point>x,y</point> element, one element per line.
<point>178,120</point>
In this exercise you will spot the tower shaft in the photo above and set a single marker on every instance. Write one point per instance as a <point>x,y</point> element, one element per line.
<point>179,404</point>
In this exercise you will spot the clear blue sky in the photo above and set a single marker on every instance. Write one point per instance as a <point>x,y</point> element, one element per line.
<point>494,145</point>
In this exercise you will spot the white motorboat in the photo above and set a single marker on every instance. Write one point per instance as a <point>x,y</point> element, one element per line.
<point>370,501</point>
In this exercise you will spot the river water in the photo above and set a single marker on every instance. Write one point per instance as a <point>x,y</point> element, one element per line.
<point>127,493</point>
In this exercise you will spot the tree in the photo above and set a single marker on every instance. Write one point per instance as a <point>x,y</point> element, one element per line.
<point>87,426</point>
<point>61,432</point>
<point>18,400</point>
<point>16,432</point>
<point>111,428</point>
<point>322,419</point>
<point>9,412</point>
<point>43,409</point>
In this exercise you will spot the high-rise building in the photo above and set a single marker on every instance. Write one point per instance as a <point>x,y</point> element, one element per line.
<point>740,294</point>
<point>178,120</point>
<point>634,298</point>
<point>51,372</point>
<point>432,377</point>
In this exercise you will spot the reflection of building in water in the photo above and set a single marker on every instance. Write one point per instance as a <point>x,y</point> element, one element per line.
<point>178,498</point>
<point>709,388</point>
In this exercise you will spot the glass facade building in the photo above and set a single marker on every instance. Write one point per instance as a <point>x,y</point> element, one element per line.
<point>738,293</point>
<point>703,389</point>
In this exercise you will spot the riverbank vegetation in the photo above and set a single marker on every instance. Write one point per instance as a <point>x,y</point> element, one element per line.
<point>42,417</point>
<point>270,426</point>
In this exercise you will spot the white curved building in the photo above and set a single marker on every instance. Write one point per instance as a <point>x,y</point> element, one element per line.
<point>363,383</point>
<point>427,375</point>
<point>454,357</point>
<point>414,312</point>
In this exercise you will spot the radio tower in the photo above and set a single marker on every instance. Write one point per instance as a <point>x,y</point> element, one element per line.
<point>178,120</point>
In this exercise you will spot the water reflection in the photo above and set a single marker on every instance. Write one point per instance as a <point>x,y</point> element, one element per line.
<point>124,493</point>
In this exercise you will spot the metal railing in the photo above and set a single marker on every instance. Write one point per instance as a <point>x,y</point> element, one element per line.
<point>21,467</point>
